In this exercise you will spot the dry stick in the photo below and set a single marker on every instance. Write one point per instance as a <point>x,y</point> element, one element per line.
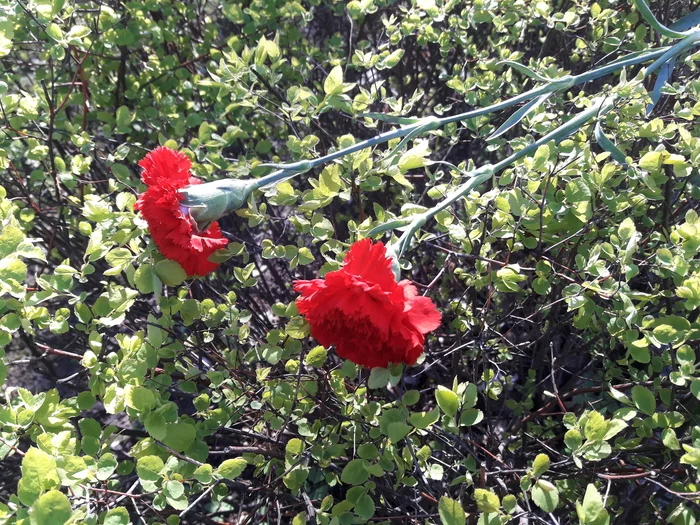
<point>113,492</point>
<point>56,351</point>
<point>693,496</point>
<point>249,450</point>
<point>18,451</point>
<point>179,455</point>
<point>200,498</point>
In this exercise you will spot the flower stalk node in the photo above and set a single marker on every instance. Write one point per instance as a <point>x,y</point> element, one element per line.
<point>210,201</point>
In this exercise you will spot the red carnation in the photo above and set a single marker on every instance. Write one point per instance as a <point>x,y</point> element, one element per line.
<point>173,229</point>
<point>370,318</point>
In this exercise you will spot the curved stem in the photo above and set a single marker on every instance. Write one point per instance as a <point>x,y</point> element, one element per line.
<point>560,84</point>
<point>673,52</point>
<point>420,126</point>
<point>480,175</point>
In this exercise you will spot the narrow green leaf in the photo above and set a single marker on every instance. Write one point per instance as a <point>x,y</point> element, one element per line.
<point>654,22</point>
<point>643,399</point>
<point>519,115</point>
<point>524,70</point>
<point>607,145</point>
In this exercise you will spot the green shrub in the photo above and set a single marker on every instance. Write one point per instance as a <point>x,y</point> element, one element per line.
<point>561,386</point>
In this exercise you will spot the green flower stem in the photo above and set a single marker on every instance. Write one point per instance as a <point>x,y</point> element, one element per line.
<point>483,173</point>
<point>199,198</point>
<point>676,50</point>
<point>647,14</point>
<point>560,84</point>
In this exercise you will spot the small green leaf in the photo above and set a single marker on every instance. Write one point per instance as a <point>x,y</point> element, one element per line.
<point>54,32</point>
<point>424,420</point>
<point>179,436</point>
<point>52,508</point>
<point>509,502</point>
<point>397,431</point>
<point>540,158</point>
<point>295,446</point>
<point>643,399</point>
<point>652,160</point>
<point>106,466</point>
<point>12,269</point>
<point>123,117</point>
<point>411,397</point>
<point>378,378</point>
<point>333,85</point>
<point>117,516</point>
<point>364,506</point>
<point>317,357</point>
<point>173,489</point>
<point>38,474</point>
<point>470,395</point>
<point>140,398</point>
<point>592,505</point>
<point>671,329</point>
<point>470,417</point>
<point>232,468</point>
<point>540,465</point>
<point>155,425</point>
<point>367,451</point>
<point>77,33</point>
<point>354,472</point>
<point>10,237</point>
<point>626,229</point>
<point>451,512</point>
<point>204,474</point>
<point>174,492</point>
<point>545,495</point>
<point>486,500</point>
<point>595,427</point>
<point>170,272</point>
<point>447,400</point>
<point>148,468</point>
<point>669,439</point>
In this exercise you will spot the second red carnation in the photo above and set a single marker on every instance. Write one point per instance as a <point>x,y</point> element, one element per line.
<point>370,318</point>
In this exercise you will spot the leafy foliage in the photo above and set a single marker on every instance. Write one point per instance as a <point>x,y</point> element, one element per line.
<point>562,383</point>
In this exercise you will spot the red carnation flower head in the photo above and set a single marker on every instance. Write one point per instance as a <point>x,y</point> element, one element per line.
<point>173,228</point>
<point>370,318</point>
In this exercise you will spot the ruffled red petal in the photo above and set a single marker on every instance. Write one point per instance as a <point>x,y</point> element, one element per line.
<point>164,166</point>
<point>369,261</point>
<point>370,318</point>
<point>420,311</point>
<point>175,233</point>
